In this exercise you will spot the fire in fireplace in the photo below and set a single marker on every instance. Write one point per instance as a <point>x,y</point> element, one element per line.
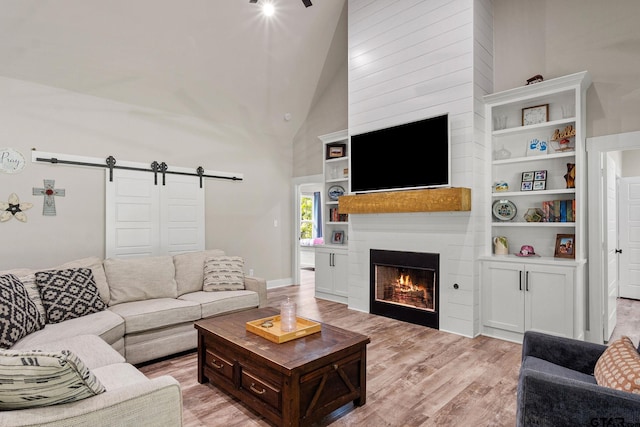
<point>404,286</point>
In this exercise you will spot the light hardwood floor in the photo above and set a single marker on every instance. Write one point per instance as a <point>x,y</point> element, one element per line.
<point>416,376</point>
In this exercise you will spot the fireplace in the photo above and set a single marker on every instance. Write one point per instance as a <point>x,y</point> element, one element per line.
<point>404,286</point>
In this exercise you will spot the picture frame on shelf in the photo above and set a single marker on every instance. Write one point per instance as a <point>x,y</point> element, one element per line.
<point>565,246</point>
<point>537,146</point>
<point>336,151</point>
<point>535,115</point>
<point>539,185</point>
<point>337,237</point>
<point>534,180</point>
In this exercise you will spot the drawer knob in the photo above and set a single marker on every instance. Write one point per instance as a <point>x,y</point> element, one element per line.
<point>215,365</point>
<point>255,390</point>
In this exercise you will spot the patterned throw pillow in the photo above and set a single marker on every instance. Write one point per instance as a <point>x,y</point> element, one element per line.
<point>619,366</point>
<point>223,273</point>
<point>68,294</point>
<point>30,285</point>
<point>33,378</point>
<point>19,315</point>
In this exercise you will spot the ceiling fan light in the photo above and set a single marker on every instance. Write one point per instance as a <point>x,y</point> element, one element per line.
<point>307,3</point>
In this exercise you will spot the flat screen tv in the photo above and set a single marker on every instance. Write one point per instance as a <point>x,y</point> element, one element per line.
<point>408,156</point>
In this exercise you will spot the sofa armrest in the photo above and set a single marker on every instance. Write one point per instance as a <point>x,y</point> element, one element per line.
<point>157,402</point>
<point>549,400</point>
<point>566,352</point>
<point>259,285</point>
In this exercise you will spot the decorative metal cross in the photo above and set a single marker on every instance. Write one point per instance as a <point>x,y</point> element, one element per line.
<point>49,192</point>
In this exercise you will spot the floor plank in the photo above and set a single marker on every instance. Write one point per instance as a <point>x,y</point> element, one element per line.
<point>416,376</point>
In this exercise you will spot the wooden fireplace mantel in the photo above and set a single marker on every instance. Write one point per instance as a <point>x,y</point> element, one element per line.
<point>428,200</point>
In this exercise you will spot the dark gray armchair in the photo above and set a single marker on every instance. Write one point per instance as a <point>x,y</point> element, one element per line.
<point>556,386</point>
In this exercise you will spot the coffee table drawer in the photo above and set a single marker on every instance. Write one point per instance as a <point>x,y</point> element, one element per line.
<point>262,390</point>
<point>219,364</point>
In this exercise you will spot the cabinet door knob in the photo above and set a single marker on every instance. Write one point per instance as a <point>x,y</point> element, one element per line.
<point>526,282</point>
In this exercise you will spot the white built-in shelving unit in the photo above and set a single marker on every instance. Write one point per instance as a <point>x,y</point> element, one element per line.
<point>543,292</point>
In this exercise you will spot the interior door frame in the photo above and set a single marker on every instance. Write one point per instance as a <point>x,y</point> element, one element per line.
<point>297,184</point>
<point>596,147</point>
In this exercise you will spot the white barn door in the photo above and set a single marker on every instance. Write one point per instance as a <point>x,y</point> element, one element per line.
<point>144,219</point>
<point>630,237</point>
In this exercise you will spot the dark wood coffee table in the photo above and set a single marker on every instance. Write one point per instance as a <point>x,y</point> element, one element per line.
<point>290,384</point>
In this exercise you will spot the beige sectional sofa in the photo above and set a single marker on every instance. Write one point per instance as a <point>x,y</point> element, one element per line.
<point>152,303</point>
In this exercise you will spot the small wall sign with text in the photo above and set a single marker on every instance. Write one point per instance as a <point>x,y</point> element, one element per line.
<point>11,161</point>
<point>564,140</point>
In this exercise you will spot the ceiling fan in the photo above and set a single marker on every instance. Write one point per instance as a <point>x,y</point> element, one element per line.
<point>306,3</point>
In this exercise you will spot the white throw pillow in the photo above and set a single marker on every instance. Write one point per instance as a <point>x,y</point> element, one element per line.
<point>223,273</point>
<point>30,379</point>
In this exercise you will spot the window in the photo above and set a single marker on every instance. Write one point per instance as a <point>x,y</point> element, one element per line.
<point>306,217</point>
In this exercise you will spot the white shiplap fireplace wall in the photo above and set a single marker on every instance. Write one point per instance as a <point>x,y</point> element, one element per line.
<point>408,60</point>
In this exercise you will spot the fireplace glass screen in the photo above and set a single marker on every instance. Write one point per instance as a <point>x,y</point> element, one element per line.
<point>411,287</point>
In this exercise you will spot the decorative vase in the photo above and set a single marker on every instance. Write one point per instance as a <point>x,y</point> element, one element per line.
<point>288,316</point>
<point>500,245</point>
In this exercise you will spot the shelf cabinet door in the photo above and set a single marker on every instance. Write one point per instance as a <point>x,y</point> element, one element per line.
<point>331,274</point>
<point>324,273</point>
<point>340,273</point>
<point>549,301</point>
<point>503,296</point>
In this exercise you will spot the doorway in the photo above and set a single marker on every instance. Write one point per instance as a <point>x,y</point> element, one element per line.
<point>305,237</point>
<point>601,269</point>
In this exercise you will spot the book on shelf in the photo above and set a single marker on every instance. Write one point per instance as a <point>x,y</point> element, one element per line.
<point>559,210</point>
<point>335,216</point>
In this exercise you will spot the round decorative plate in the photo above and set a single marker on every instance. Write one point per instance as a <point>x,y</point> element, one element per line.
<point>504,210</point>
<point>334,192</point>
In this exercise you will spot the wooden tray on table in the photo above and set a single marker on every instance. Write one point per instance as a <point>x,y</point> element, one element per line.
<point>275,333</point>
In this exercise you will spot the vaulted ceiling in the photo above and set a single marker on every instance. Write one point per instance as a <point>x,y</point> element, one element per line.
<point>219,60</point>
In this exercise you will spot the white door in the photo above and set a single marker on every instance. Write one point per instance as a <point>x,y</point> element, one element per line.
<point>144,219</point>
<point>182,214</point>
<point>630,237</point>
<point>611,246</point>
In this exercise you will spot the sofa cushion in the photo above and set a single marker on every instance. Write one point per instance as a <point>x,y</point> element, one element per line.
<point>215,303</point>
<point>68,294</point>
<point>539,365</point>
<point>119,375</point>
<point>91,349</point>
<point>30,285</point>
<point>223,273</point>
<point>137,279</point>
<point>105,324</point>
<point>619,366</point>
<point>190,269</point>
<point>156,313</point>
<point>31,379</point>
<point>95,264</point>
<point>19,315</point>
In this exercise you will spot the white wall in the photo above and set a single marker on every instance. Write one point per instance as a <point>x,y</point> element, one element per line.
<point>239,215</point>
<point>410,60</point>
<point>556,38</point>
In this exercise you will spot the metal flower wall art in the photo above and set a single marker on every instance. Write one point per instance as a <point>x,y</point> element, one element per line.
<point>13,208</point>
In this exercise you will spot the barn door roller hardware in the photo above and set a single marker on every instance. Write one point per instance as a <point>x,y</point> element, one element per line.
<point>155,168</point>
